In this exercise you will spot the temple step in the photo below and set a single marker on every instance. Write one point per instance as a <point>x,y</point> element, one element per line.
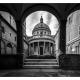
<point>41,64</point>
<point>40,60</point>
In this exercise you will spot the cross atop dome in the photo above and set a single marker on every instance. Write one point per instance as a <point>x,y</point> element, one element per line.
<point>41,19</point>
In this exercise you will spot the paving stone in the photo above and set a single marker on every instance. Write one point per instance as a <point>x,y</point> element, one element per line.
<point>39,73</point>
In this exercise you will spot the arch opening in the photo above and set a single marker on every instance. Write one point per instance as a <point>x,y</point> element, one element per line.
<point>31,29</point>
<point>73,33</point>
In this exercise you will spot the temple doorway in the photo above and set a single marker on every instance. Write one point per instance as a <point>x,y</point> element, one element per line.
<point>41,50</point>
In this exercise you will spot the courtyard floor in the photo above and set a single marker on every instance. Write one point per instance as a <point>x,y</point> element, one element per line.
<point>39,73</point>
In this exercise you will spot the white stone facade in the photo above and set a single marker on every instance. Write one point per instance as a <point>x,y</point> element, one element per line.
<point>73,33</point>
<point>8,35</point>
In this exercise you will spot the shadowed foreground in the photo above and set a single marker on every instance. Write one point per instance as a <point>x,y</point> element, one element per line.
<point>39,73</point>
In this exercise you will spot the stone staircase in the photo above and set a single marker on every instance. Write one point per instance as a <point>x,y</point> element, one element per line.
<point>41,64</point>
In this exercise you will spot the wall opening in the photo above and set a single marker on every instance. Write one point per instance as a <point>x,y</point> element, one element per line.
<point>73,33</point>
<point>31,22</point>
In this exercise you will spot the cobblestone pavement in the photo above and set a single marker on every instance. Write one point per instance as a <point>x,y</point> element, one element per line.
<point>39,73</point>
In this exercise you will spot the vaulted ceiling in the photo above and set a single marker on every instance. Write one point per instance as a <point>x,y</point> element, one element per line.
<point>17,9</point>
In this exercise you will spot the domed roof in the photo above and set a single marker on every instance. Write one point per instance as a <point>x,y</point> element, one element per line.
<point>41,26</point>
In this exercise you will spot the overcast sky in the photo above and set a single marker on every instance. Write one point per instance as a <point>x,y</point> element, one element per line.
<point>48,18</point>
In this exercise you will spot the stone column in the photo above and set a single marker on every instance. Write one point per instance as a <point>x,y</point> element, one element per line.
<point>19,43</point>
<point>5,48</point>
<point>33,48</point>
<point>29,49</point>
<point>38,48</point>
<point>12,50</point>
<point>19,37</point>
<point>44,47</point>
<point>79,48</point>
<point>52,48</point>
<point>49,48</point>
<point>62,43</point>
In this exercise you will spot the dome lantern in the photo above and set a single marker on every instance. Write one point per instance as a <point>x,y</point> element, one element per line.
<point>41,19</point>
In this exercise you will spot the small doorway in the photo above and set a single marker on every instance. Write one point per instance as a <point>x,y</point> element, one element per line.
<point>41,50</point>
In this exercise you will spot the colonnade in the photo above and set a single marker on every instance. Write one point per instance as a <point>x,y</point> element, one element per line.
<point>41,48</point>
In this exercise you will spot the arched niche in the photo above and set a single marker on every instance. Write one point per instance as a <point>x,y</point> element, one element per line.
<point>43,7</point>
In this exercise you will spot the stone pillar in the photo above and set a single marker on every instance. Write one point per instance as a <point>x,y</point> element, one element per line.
<point>49,48</point>
<point>62,43</point>
<point>53,49</point>
<point>12,50</point>
<point>38,48</point>
<point>33,48</point>
<point>78,48</point>
<point>29,49</point>
<point>5,48</point>
<point>19,43</point>
<point>44,47</point>
<point>19,37</point>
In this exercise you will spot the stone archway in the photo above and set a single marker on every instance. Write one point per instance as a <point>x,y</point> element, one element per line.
<point>39,7</point>
<point>52,10</point>
<point>72,57</point>
<point>33,8</point>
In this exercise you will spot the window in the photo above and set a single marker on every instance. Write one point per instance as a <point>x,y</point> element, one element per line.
<point>9,45</point>
<point>76,49</point>
<point>37,32</point>
<point>45,32</point>
<point>15,38</point>
<point>3,30</point>
<point>10,34</point>
<point>48,33</point>
<point>70,19</point>
<point>41,33</point>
